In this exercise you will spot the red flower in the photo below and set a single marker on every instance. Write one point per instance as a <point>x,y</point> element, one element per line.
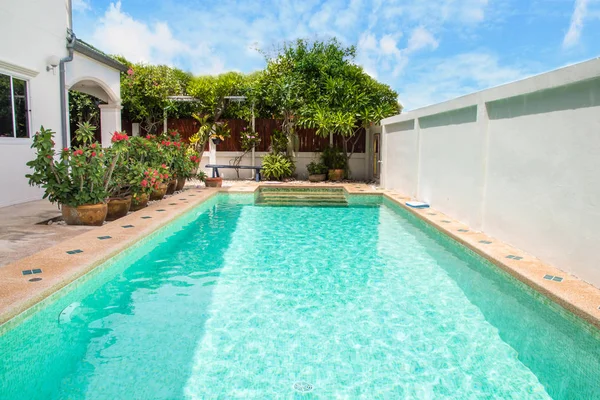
<point>144,183</point>
<point>130,72</point>
<point>49,156</point>
<point>174,133</point>
<point>117,137</point>
<point>93,146</point>
<point>93,154</point>
<point>66,149</point>
<point>164,165</point>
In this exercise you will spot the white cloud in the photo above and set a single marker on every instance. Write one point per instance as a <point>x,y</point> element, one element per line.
<point>386,56</point>
<point>118,33</point>
<point>574,32</point>
<point>436,11</point>
<point>434,81</point>
<point>421,38</point>
<point>80,5</point>
<point>387,43</point>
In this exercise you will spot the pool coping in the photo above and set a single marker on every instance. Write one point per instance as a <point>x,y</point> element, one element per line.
<point>59,268</point>
<point>573,294</point>
<point>71,259</point>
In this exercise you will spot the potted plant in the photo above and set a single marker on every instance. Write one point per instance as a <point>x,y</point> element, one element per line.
<point>317,172</point>
<point>79,182</point>
<point>161,177</point>
<point>188,169</point>
<point>213,182</point>
<point>124,175</point>
<point>220,132</point>
<point>335,161</point>
<point>171,146</point>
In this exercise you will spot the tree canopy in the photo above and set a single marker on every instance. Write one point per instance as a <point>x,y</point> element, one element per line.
<point>312,84</point>
<point>145,90</point>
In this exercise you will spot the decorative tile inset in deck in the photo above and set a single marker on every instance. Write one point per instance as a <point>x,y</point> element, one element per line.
<point>104,237</point>
<point>36,271</point>
<point>183,199</point>
<point>76,251</point>
<point>161,210</point>
<point>463,230</point>
<point>553,278</point>
<point>35,279</point>
<point>127,226</point>
<point>26,272</point>
<point>191,195</point>
<point>514,257</point>
<point>431,214</point>
<point>485,242</point>
<point>172,204</point>
<point>445,221</point>
<point>146,217</point>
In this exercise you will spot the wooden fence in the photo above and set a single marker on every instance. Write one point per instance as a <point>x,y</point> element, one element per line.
<point>309,140</point>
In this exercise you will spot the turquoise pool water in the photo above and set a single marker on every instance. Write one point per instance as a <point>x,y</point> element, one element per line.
<point>239,301</point>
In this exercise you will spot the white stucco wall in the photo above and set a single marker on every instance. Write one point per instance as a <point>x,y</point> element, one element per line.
<point>106,81</point>
<point>357,164</point>
<point>31,32</point>
<point>524,171</point>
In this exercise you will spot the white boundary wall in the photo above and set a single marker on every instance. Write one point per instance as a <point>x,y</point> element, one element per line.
<point>358,165</point>
<point>520,162</point>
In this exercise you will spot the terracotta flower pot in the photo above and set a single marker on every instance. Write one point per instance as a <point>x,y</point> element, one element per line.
<point>138,202</point>
<point>172,186</point>
<point>180,184</point>
<point>336,174</point>
<point>317,178</point>
<point>213,182</point>
<point>87,214</point>
<point>118,208</point>
<point>158,194</point>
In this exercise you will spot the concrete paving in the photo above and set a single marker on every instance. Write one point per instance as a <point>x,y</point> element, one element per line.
<point>20,232</point>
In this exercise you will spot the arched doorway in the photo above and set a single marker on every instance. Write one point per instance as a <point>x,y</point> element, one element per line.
<point>108,103</point>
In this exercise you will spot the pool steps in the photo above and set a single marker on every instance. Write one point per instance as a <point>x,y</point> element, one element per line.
<point>301,197</point>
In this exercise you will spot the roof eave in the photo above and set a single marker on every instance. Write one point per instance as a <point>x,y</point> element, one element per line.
<point>82,48</point>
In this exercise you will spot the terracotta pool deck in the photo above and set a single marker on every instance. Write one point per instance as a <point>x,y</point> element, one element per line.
<point>28,281</point>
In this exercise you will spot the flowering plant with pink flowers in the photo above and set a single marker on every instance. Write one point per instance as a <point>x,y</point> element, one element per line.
<point>250,139</point>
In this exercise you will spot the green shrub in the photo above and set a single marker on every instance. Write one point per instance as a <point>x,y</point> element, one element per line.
<point>279,142</point>
<point>333,158</point>
<point>277,166</point>
<point>315,168</point>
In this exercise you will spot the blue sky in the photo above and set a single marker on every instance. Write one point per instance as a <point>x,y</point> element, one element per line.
<point>427,50</point>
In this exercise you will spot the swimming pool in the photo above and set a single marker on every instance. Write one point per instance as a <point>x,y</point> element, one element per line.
<point>239,301</point>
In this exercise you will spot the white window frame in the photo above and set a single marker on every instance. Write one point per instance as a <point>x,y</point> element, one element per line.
<point>27,81</point>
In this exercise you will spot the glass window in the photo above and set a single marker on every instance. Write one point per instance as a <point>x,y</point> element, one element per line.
<point>6,114</point>
<point>14,118</point>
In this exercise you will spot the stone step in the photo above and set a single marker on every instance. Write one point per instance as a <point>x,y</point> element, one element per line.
<point>307,201</point>
<point>300,204</point>
<point>300,193</point>
<point>300,196</point>
<point>333,197</point>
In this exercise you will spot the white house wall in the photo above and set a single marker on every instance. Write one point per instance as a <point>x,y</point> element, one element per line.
<point>31,32</point>
<point>525,170</point>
